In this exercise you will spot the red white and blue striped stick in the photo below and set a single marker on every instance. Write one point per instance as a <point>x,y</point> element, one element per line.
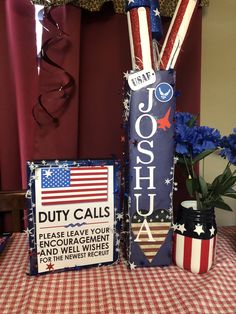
<point>139,26</point>
<point>176,34</point>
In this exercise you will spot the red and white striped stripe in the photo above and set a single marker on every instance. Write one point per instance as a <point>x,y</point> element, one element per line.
<point>140,37</point>
<point>176,33</point>
<point>195,255</point>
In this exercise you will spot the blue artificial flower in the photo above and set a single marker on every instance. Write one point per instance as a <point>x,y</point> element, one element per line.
<point>206,139</point>
<point>183,138</point>
<point>183,133</point>
<point>183,118</point>
<point>193,140</point>
<point>228,143</point>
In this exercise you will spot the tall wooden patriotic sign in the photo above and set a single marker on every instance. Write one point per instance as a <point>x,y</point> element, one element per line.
<point>150,167</point>
<point>149,111</point>
<point>73,215</point>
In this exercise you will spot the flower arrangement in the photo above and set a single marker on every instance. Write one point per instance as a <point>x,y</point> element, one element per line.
<point>195,143</point>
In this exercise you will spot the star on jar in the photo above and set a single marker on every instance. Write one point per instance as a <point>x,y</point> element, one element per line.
<point>212,231</point>
<point>181,228</point>
<point>198,229</point>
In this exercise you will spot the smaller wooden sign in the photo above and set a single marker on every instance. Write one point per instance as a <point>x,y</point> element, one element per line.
<point>74,214</point>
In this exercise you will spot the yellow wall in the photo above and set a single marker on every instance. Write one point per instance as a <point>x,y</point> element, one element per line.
<point>218,90</point>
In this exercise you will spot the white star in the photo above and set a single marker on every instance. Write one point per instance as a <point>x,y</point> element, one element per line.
<point>48,173</point>
<point>126,102</point>
<point>157,12</point>
<point>176,160</point>
<point>198,229</point>
<point>44,162</point>
<point>130,1</point>
<point>126,75</point>
<point>212,231</point>
<point>119,216</point>
<point>181,228</point>
<point>132,266</point>
<point>28,231</point>
<point>167,181</point>
<point>28,193</point>
<point>32,166</point>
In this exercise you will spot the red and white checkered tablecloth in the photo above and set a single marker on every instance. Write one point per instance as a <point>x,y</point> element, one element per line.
<point>116,289</point>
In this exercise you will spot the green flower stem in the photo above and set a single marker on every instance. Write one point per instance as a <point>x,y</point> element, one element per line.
<point>194,176</point>
<point>186,165</point>
<point>211,194</point>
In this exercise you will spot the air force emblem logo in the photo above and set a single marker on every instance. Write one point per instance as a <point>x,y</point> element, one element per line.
<point>164,92</point>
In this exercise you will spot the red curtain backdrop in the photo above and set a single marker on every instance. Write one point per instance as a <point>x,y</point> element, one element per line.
<point>105,57</point>
<point>59,141</point>
<point>96,55</point>
<point>18,89</point>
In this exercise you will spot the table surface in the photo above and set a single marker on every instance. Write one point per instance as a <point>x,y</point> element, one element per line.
<point>116,289</point>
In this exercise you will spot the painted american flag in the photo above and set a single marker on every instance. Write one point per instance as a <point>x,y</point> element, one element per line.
<point>74,185</point>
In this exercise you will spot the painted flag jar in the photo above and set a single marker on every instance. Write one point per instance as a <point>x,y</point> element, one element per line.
<point>194,242</point>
